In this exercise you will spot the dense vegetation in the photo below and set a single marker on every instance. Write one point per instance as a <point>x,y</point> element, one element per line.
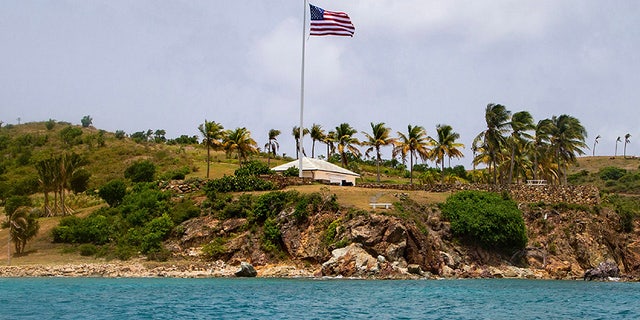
<point>487,219</point>
<point>143,219</point>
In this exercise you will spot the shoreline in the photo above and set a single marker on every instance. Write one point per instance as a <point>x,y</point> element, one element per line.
<point>219,269</point>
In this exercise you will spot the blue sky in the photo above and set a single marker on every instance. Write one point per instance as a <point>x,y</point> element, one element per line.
<point>138,65</point>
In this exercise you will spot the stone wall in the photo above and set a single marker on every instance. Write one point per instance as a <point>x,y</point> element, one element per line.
<point>586,195</point>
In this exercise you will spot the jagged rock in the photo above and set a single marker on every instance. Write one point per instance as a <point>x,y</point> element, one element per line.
<point>603,271</point>
<point>414,269</point>
<point>246,270</point>
<point>350,261</point>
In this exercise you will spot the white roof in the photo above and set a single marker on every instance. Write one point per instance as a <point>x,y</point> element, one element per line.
<point>310,164</point>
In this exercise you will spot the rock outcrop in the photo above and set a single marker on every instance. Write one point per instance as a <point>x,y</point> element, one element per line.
<point>246,270</point>
<point>605,270</point>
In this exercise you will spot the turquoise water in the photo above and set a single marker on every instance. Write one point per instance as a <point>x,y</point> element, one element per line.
<point>97,298</point>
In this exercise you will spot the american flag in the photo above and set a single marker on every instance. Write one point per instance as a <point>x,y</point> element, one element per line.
<point>329,23</point>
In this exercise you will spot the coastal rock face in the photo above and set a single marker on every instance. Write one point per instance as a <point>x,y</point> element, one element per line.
<point>563,243</point>
<point>603,271</point>
<point>303,240</point>
<point>394,239</point>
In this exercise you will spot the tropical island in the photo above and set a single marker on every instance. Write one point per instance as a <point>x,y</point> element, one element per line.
<point>79,201</point>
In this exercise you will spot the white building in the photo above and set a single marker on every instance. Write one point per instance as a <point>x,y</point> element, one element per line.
<point>323,171</point>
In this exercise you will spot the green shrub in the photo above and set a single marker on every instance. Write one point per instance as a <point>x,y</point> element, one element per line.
<point>71,135</point>
<point>486,219</point>
<point>253,168</point>
<point>291,172</point>
<point>238,209</point>
<point>120,134</point>
<point>113,192</point>
<point>155,232</point>
<point>332,230</point>
<point>611,173</point>
<point>271,204</point>
<point>80,180</point>
<point>15,202</point>
<point>215,249</point>
<point>183,211</point>
<point>178,174</point>
<point>238,184</point>
<point>87,249</point>
<point>141,171</point>
<point>628,209</point>
<point>271,235</point>
<point>96,229</point>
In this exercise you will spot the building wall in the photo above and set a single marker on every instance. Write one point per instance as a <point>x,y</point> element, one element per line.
<point>332,177</point>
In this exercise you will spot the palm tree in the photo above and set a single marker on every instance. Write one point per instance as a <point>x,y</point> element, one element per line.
<point>272,145</point>
<point>296,135</point>
<point>239,141</point>
<point>416,141</point>
<point>47,179</point>
<point>66,164</point>
<point>615,154</point>
<point>595,142</point>
<point>329,140</point>
<point>317,134</point>
<point>493,137</point>
<point>445,145</point>
<point>346,142</point>
<point>567,139</point>
<point>521,122</point>
<point>213,133</point>
<point>379,137</point>
<point>626,140</point>
<point>23,226</point>
<point>540,144</point>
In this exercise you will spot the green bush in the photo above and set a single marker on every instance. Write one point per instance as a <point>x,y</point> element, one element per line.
<point>271,235</point>
<point>253,168</point>
<point>183,211</point>
<point>113,192</point>
<point>628,209</point>
<point>87,249</point>
<point>156,231</point>
<point>71,135</point>
<point>241,208</point>
<point>611,173</point>
<point>271,204</point>
<point>238,184</point>
<point>487,219</point>
<point>96,229</point>
<point>291,172</point>
<point>15,202</point>
<point>141,171</point>
<point>80,180</point>
<point>215,249</point>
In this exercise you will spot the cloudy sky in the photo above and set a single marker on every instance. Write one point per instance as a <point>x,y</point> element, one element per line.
<point>159,64</point>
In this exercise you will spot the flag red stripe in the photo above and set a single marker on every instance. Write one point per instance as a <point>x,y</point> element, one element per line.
<point>332,23</point>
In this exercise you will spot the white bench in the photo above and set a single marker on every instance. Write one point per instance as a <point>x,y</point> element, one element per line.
<point>380,205</point>
<point>536,182</point>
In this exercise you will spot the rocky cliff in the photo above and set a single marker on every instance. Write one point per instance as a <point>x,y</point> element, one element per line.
<point>412,240</point>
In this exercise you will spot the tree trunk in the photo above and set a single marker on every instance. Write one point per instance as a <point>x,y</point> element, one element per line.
<point>411,167</point>
<point>208,159</point>
<point>378,162</point>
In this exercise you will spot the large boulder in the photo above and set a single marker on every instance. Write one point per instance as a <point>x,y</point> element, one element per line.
<point>350,261</point>
<point>603,271</point>
<point>246,270</point>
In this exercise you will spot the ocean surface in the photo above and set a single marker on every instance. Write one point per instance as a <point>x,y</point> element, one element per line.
<point>98,298</point>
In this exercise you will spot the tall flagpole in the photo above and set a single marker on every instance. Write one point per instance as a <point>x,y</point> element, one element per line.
<point>301,130</point>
